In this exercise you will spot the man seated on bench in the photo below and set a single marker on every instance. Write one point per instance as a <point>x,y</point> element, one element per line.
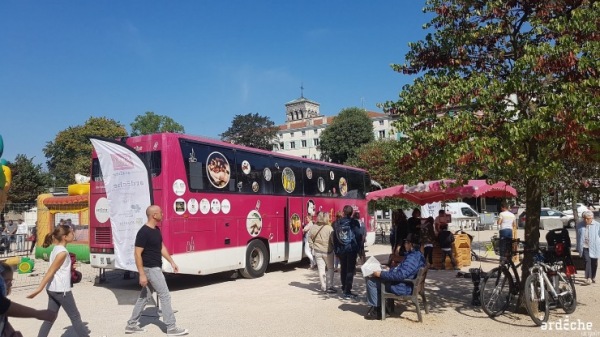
<point>407,269</point>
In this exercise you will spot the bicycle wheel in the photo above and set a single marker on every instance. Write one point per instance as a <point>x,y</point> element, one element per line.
<point>496,291</point>
<point>537,308</point>
<point>568,301</point>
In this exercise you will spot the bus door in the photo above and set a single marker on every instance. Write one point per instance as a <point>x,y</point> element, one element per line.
<point>293,229</point>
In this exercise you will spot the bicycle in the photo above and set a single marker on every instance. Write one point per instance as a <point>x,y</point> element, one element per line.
<point>499,286</point>
<point>550,281</point>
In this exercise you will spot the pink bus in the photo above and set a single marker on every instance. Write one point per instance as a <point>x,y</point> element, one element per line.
<point>228,207</point>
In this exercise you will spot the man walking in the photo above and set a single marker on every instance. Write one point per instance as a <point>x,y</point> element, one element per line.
<point>346,242</point>
<point>149,248</point>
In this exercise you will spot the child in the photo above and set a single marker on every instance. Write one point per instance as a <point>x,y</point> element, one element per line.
<point>446,238</point>
<point>57,281</point>
<point>7,273</point>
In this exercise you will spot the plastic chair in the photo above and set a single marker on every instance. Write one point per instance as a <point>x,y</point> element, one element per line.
<point>418,289</point>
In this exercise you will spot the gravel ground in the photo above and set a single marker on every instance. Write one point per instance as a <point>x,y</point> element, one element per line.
<point>286,301</point>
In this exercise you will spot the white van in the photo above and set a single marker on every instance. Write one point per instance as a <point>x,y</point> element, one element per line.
<point>462,215</point>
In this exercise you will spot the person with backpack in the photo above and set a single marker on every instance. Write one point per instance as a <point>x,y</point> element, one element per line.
<point>446,238</point>
<point>346,244</point>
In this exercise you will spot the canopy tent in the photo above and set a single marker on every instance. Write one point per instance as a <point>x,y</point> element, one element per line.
<point>441,190</point>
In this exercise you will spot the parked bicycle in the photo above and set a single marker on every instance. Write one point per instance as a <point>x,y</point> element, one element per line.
<point>501,284</point>
<point>551,283</point>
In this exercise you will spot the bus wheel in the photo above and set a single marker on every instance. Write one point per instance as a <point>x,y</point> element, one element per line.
<point>257,260</point>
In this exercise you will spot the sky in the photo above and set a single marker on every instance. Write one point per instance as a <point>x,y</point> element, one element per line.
<point>199,62</point>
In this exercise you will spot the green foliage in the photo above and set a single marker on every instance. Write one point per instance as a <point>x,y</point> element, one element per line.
<point>350,129</point>
<point>251,130</point>
<point>28,180</point>
<point>152,123</point>
<point>506,89</point>
<point>71,150</point>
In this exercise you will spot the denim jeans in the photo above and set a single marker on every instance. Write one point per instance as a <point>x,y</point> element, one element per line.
<point>325,261</point>
<point>347,270</point>
<point>505,242</point>
<point>374,292</point>
<point>156,282</point>
<point>21,242</point>
<point>56,300</point>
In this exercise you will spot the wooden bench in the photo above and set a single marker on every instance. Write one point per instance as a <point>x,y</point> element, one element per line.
<point>418,289</point>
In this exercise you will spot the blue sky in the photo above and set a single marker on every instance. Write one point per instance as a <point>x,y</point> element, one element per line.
<point>199,62</point>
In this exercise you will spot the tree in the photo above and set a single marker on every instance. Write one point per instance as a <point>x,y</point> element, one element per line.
<point>251,130</point>
<point>152,123</point>
<point>28,180</point>
<point>509,89</point>
<point>71,150</point>
<point>350,129</point>
<point>376,157</point>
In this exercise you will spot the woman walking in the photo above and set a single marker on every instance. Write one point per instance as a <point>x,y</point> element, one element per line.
<point>57,281</point>
<point>588,245</point>
<point>321,243</point>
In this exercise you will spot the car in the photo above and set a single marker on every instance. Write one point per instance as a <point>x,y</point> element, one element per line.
<point>549,213</point>
<point>580,209</point>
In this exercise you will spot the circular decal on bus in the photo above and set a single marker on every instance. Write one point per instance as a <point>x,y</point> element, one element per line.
<point>343,186</point>
<point>295,223</point>
<point>288,179</point>
<point>179,206</point>
<point>192,206</point>
<point>225,206</point>
<point>321,184</point>
<point>204,206</point>
<point>246,167</point>
<point>218,170</point>
<point>215,206</point>
<point>309,173</point>
<point>101,210</point>
<point>255,187</point>
<point>179,187</point>
<point>254,223</point>
<point>331,175</point>
<point>267,174</point>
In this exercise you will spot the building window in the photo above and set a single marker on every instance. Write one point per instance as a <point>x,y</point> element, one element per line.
<point>292,134</point>
<point>303,143</point>
<point>316,142</point>
<point>275,147</point>
<point>381,133</point>
<point>281,146</point>
<point>303,133</point>
<point>316,131</point>
<point>380,122</point>
<point>292,145</point>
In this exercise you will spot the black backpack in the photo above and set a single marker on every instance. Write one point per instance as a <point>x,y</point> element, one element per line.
<point>345,237</point>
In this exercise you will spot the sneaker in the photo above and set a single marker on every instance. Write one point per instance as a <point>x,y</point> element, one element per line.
<point>331,291</point>
<point>134,329</point>
<point>177,331</point>
<point>350,296</point>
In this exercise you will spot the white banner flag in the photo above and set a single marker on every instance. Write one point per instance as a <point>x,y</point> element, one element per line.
<point>431,209</point>
<point>128,190</point>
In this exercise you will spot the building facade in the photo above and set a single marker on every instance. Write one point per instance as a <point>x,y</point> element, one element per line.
<point>301,133</point>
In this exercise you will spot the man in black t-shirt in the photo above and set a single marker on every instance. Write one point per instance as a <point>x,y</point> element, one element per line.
<point>149,251</point>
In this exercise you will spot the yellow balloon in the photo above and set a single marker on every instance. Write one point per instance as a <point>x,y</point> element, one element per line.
<point>7,177</point>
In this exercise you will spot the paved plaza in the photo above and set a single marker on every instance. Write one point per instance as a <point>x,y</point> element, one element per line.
<point>286,302</point>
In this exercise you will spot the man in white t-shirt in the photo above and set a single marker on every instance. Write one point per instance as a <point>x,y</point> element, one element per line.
<point>507,223</point>
<point>21,234</point>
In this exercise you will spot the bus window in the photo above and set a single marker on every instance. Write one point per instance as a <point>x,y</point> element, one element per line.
<point>251,175</point>
<point>287,177</point>
<point>208,167</point>
<point>356,185</point>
